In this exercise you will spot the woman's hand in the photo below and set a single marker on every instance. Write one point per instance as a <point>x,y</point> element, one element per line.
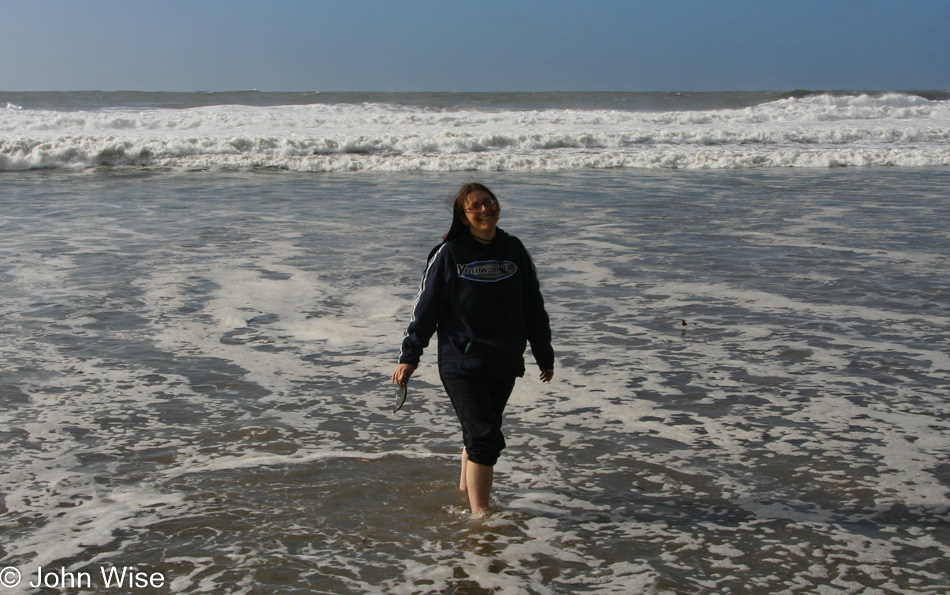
<point>547,375</point>
<point>402,374</point>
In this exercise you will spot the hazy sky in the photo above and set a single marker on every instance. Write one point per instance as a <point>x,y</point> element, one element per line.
<point>475,45</point>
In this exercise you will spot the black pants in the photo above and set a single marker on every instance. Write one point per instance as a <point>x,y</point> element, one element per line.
<point>479,404</point>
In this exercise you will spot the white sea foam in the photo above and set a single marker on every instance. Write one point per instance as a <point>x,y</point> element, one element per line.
<point>815,131</point>
<point>196,379</point>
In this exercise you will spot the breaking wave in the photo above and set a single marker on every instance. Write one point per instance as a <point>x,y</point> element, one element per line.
<point>798,129</point>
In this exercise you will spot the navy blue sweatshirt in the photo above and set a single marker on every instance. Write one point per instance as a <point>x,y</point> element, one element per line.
<point>485,302</point>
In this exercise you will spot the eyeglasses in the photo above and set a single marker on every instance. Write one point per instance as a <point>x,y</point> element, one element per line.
<point>478,206</point>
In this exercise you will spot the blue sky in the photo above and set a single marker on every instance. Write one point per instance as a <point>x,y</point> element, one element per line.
<point>488,45</point>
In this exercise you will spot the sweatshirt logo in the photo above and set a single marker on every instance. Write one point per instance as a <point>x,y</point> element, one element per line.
<point>488,270</point>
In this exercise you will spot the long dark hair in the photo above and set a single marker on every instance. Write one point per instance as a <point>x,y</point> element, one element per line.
<point>457,202</point>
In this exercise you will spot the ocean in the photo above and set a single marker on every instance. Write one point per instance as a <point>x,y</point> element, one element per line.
<point>335,132</point>
<point>204,296</point>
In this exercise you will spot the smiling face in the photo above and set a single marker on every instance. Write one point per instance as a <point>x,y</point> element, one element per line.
<point>481,214</point>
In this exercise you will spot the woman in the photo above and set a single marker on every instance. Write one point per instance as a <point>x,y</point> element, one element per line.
<point>480,292</point>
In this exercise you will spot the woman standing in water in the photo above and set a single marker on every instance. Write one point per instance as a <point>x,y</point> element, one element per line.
<point>480,292</point>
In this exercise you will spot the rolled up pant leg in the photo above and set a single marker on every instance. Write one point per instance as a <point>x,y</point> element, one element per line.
<point>479,404</point>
